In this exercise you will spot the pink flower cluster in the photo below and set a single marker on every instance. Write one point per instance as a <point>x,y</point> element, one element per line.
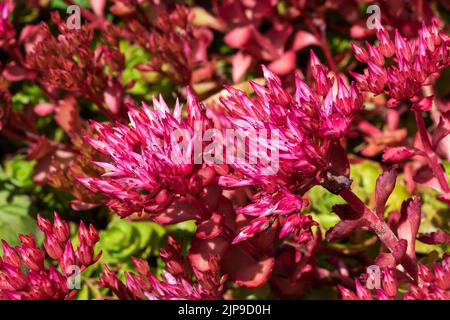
<point>23,273</point>
<point>414,61</point>
<point>175,282</point>
<point>433,284</point>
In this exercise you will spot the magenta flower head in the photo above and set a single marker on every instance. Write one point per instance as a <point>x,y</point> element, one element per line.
<point>23,275</point>
<point>303,132</point>
<point>429,286</point>
<point>155,165</point>
<point>415,61</point>
<point>308,124</point>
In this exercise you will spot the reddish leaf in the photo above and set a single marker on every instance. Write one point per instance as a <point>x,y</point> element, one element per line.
<point>176,212</point>
<point>304,39</point>
<point>398,154</point>
<point>346,212</point>
<point>238,37</point>
<point>244,269</point>
<point>444,198</point>
<point>336,178</point>
<point>67,115</point>
<point>240,65</point>
<point>390,260</point>
<point>344,229</point>
<point>409,223</point>
<point>284,64</point>
<point>426,177</point>
<point>438,237</point>
<point>202,251</point>
<point>384,187</point>
<point>442,129</point>
<point>211,228</point>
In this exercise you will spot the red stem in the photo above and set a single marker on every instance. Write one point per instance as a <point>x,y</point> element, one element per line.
<point>323,44</point>
<point>431,155</point>
<point>380,227</point>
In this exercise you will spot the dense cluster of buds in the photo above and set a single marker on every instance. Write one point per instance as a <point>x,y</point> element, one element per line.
<point>433,284</point>
<point>415,61</point>
<point>23,271</point>
<point>306,147</point>
<point>175,280</point>
<point>150,172</point>
<point>68,62</point>
<point>309,126</point>
<point>178,48</point>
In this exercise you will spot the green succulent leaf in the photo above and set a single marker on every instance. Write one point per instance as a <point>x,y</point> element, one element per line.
<point>20,171</point>
<point>15,209</point>
<point>123,239</point>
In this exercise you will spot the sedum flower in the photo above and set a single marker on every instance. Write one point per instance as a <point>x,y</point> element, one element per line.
<point>414,62</point>
<point>433,284</point>
<point>303,132</point>
<point>151,168</point>
<point>175,282</point>
<point>7,32</point>
<point>309,124</point>
<point>23,273</point>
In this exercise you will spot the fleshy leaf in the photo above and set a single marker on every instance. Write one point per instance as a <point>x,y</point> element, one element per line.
<point>438,237</point>
<point>244,269</point>
<point>398,154</point>
<point>409,223</point>
<point>384,187</point>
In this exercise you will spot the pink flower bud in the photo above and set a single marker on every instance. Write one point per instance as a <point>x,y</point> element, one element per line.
<point>133,285</point>
<point>389,282</point>
<point>381,295</point>
<point>416,292</point>
<point>386,46</point>
<point>10,256</point>
<point>360,53</point>
<point>90,236</point>
<point>84,253</point>
<point>15,277</point>
<point>54,248</point>
<point>375,55</point>
<point>362,292</point>
<point>289,224</point>
<point>347,294</point>
<point>141,266</point>
<point>402,47</point>
<point>425,273</point>
<point>434,33</point>
<point>32,256</point>
<point>60,229</point>
<point>44,224</point>
<point>442,276</point>
<point>68,258</point>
